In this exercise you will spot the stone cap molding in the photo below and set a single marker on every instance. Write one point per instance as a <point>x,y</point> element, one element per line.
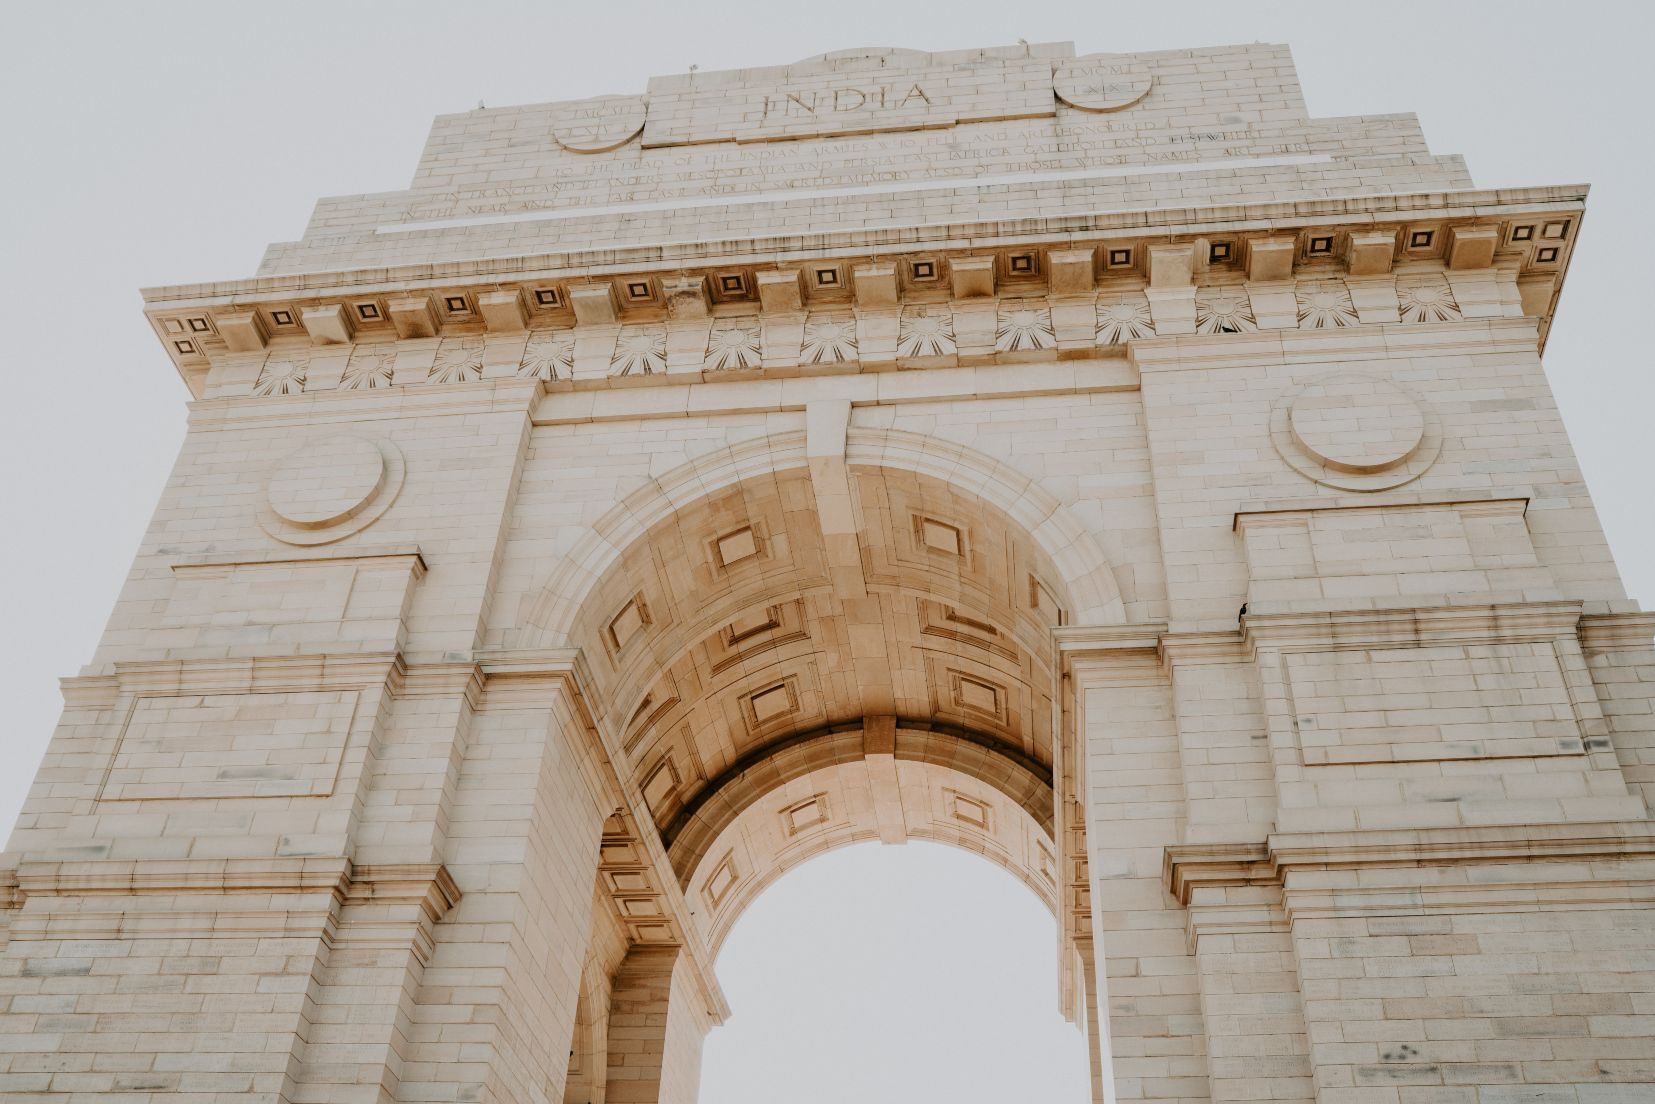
<point>393,906</point>
<point>1187,868</point>
<point>1259,248</point>
<point>269,556</point>
<point>1117,651</point>
<point>1513,498</point>
<point>1161,223</point>
<point>429,885</point>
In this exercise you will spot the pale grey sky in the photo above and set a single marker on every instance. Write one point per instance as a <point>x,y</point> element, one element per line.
<point>168,142</point>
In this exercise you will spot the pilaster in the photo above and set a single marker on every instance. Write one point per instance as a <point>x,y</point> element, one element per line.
<point>1127,729</point>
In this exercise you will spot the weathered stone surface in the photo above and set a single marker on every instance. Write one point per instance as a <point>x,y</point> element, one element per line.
<point>558,554</point>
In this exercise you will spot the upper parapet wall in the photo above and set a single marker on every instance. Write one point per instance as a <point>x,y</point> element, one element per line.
<point>869,140</point>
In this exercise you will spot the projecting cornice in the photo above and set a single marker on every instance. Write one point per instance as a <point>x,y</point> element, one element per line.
<point>1186,868</point>
<point>1481,203</point>
<point>1263,266</point>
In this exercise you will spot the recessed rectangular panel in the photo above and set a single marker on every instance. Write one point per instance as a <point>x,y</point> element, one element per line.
<point>204,746</point>
<point>1489,701</point>
<point>772,703</point>
<point>626,624</point>
<point>750,624</point>
<point>661,785</point>
<point>977,695</point>
<point>618,854</point>
<point>804,815</point>
<point>939,536</point>
<point>721,880</point>
<point>737,546</point>
<point>969,810</point>
<point>652,933</point>
<point>1044,602</point>
<point>629,881</point>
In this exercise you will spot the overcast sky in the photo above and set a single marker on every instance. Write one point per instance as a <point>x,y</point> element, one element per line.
<point>158,143</point>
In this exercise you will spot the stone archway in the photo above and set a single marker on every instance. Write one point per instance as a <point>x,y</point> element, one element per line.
<point>620,559</point>
<point>790,650</point>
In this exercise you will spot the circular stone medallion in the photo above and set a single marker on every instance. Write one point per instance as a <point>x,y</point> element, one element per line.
<point>327,483</point>
<point>330,488</point>
<point>598,125</point>
<point>1355,432</point>
<point>1101,83</point>
<point>1357,425</point>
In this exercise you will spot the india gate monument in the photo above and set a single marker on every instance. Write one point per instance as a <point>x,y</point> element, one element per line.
<point>1092,462</point>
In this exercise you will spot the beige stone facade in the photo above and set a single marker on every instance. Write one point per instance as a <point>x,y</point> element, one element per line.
<point>1092,462</point>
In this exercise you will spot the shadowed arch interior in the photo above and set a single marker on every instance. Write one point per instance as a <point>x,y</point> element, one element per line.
<point>773,694</point>
<point>729,627</point>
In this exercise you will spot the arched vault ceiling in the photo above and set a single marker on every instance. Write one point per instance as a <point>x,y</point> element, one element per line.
<point>769,609</point>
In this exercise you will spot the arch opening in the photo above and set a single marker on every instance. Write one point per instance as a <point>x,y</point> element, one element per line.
<point>893,973</point>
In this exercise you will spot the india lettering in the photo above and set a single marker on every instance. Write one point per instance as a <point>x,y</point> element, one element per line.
<point>816,102</point>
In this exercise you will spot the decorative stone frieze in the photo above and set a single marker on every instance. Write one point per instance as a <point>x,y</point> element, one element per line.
<point>1099,322</point>
<point>1314,297</point>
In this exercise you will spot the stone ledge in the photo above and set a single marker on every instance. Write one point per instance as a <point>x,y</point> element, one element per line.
<point>1441,618</point>
<point>1187,867</point>
<point>1517,497</point>
<point>1365,210</point>
<point>1046,320</point>
<point>45,878</point>
<point>287,556</point>
<point>426,884</point>
<point>1602,632</point>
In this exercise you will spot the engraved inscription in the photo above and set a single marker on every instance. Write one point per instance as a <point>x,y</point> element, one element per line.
<point>880,98</point>
<point>1101,84</point>
<point>825,104</point>
<point>598,125</point>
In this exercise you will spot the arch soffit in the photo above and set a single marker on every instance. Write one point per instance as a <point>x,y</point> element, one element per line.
<point>695,828</point>
<point>717,930</point>
<point>732,844</point>
<point>549,613</point>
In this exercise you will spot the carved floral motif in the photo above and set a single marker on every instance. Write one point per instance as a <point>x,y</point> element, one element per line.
<point>640,351</point>
<point>1428,299</point>
<point>459,359</point>
<point>831,336</point>
<point>549,355</point>
<point>369,367</point>
<point>926,331</point>
<point>282,374</point>
<point>1325,306</point>
<point>732,345</point>
<point>829,340</point>
<point>1020,328</point>
<point>1123,320</point>
<point>1220,311</point>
